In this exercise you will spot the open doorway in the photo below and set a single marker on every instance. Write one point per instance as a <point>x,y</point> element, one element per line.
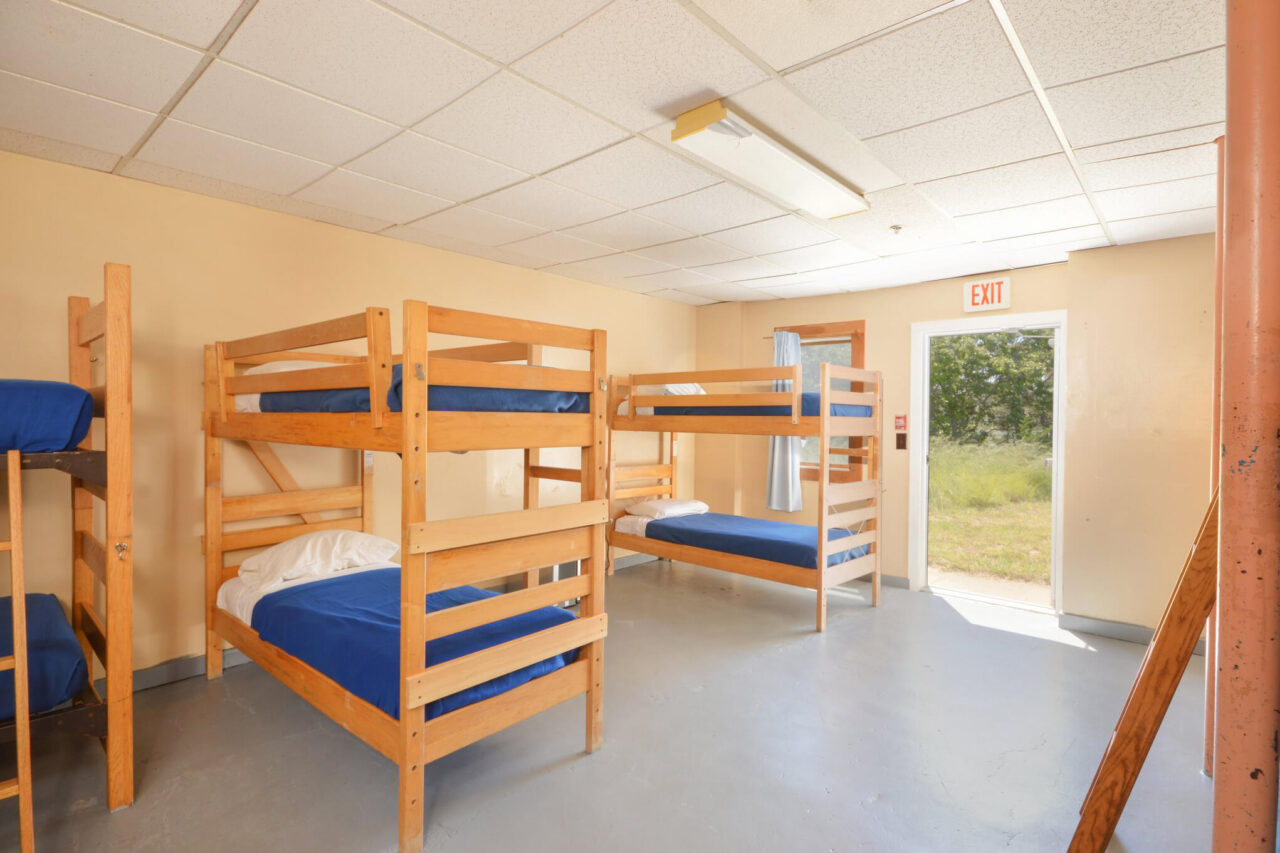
<point>986,461</point>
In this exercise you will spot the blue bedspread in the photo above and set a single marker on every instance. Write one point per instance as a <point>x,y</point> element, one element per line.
<point>348,627</point>
<point>43,417</point>
<point>55,663</point>
<point>440,398</point>
<point>778,541</point>
<point>810,404</point>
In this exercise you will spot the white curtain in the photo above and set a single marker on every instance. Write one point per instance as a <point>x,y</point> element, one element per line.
<point>784,451</point>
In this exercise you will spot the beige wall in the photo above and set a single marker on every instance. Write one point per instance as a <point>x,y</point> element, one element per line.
<point>205,269</point>
<point>1136,432</point>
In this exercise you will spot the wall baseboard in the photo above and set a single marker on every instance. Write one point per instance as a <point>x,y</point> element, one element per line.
<point>1113,630</point>
<point>175,669</point>
<point>634,560</point>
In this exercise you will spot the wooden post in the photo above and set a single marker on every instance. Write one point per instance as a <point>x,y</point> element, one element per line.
<point>212,516</point>
<point>80,372</point>
<point>1248,647</point>
<point>873,467</point>
<point>824,477</point>
<point>1215,457</point>
<point>21,689</point>
<point>593,488</point>
<point>532,485</point>
<point>413,572</point>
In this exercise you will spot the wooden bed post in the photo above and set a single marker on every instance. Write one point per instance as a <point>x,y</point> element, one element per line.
<point>824,477</point>
<point>413,573</point>
<point>593,488</point>
<point>119,541</point>
<point>80,372</point>
<point>212,516</point>
<point>873,470</point>
<point>21,784</point>
<point>532,486</point>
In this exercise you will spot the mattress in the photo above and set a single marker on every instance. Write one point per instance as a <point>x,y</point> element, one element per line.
<point>56,671</point>
<point>810,405</point>
<point>440,398</point>
<point>43,417</point>
<point>348,627</point>
<point>776,541</point>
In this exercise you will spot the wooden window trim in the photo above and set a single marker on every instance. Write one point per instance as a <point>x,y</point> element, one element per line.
<point>815,333</point>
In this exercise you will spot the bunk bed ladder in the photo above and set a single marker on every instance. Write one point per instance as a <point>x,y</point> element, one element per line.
<point>20,785</point>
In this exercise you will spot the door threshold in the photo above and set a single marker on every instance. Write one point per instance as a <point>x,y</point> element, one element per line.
<point>992,599</point>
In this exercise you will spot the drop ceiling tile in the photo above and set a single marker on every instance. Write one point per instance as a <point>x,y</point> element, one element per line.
<point>633,173</point>
<point>945,64</point>
<point>1078,236</point>
<point>434,167</point>
<point>723,291</point>
<point>628,231</point>
<point>743,269</point>
<point>832,254</point>
<point>415,233</point>
<point>51,111</point>
<point>196,22</point>
<point>612,269</point>
<point>215,155</point>
<point>241,103</point>
<point>1167,197</point>
<point>54,149</point>
<point>1037,256</point>
<point>1029,219</point>
<point>803,289</point>
<point>1006,132</point>
<point>1151,144</point>
<point>923,225</point>
<point>1173,95</point>
<point>673,279</point>
<point>504,31</point>
<point>63,45</point>
<point>933,265</point>
<point>371,197</point>
<point>712,209</point>
<point>1069,40</point>
<point>680,296</point>
<point>640,62</point>
<point>775,107</point>
<point>785,32</point>
<point>357,53</point>
<point>556,248</point>
<point>511,121</point>
<point>1164,226</point>
<point>1030,181</point>
<point>773,235</point>
<point>480,227</point>
<point>545,204</point>
<point>692,252</point>
<point>1153,168</point>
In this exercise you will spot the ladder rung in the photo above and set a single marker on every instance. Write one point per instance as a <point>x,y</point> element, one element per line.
<point>6,663</point>
<point>8,788</point>
<point>5,546</point>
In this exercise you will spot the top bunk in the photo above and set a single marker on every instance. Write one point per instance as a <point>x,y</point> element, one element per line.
<point>277,387</point>
<point>50,423</point>
<point>662,402</point>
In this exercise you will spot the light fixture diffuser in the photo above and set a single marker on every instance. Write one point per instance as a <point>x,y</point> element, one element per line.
<point>725,140</point>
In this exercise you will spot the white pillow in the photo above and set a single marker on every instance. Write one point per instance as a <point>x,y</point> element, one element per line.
<point>683,388</point>
<point>253,402</point>
<point>667,508</point>
<point>317,554</point>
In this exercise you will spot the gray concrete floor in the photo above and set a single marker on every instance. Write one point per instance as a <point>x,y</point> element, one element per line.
<point>931,724</point>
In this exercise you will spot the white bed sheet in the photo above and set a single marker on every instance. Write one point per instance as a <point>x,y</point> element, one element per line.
<point>633,525</point>
<point>238,597</point>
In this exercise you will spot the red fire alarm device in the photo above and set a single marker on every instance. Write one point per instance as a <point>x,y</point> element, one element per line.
<point>900,423</point>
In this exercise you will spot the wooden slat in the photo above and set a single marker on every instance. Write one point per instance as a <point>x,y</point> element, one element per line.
<point>844,544</point>
<point>705,377</point>
<point>849,518</point>
<point>350,430</point>
<point>346,328</point>
<point>624,473</point>
<point>640,491</point>
<point>852,398</point>
<point>95,632</point>
<point>241,540</point>
<point>469,324</point>
<point>291,503</point>
<point>276,470</point>
<point>546,472</point>
<point>7,663</point>
<point>299,355</point>
<point>463,727</point>
<point>451,620</point>
<point>488,352</point>
<point>763,398</point>
<point>860,490</point>
<point>5,546</point>
<point>750,566</point>
<point>93,324</point>
<point>861,452</point>
<point>306,379</point>
<point>847,571</point>
<point>854,427</point>
<point>9,788</point>
<point>481,374</point>
<point>854,374</point>
<point>722,424</point>
<point>445,679</point>
<point>433,536</point>
<point>94,555</point>
<point>477,563</point>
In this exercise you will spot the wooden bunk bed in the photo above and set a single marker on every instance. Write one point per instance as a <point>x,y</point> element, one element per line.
<point>435,556</point>
<point>847,516</point>
<point>98,476</point>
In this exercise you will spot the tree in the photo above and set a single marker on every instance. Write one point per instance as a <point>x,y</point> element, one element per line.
<point>996,386</point>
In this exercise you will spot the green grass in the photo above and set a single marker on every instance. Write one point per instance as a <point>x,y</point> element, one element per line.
<point>989,510</point>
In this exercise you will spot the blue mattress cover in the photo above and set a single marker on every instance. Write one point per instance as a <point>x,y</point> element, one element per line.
<point>43,417</point>
<point>348,627</point>
<point>55,664</point>
<point>810,405</point>
<point>440,398</point>
<point>777,541</point>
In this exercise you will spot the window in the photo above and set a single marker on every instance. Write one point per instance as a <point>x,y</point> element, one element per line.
<point>833,343</point>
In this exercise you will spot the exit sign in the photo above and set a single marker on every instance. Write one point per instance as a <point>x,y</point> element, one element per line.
<point>987,295</point>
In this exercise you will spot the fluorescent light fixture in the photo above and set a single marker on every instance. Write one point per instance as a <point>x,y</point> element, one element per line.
<point>724,139</point>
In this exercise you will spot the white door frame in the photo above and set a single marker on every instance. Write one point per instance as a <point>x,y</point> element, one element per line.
<point>918,430</point>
